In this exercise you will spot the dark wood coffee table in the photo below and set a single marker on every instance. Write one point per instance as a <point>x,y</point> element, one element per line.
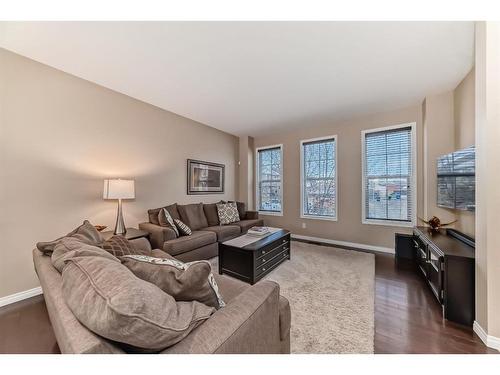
<point>252,262</point>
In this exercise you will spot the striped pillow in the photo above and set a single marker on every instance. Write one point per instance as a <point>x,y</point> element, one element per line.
<point>183,228</point>
<point>166,220</point>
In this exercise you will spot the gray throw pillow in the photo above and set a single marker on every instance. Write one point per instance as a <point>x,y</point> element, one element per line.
<point>85,233</point>
<point>70,247</point>
<point>191,281</point>
<point>111,301</point>
<point>165,220</point>
<point>183,228</point>
<point>228,213</point>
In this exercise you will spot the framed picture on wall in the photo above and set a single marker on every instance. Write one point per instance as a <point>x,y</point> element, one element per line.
<point>204,177</point>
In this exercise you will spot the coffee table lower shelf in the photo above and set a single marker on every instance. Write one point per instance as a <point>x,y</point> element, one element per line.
<point>254,261</point>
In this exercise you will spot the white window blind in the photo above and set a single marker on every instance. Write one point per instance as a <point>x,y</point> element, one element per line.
<point>388,175</point>
<point>319,184</point>
<point>269,187</point>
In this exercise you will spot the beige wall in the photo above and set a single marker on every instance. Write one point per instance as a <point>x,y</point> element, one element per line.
<point>60,136</point>
<point>487,135</point>
<point>245,191</point>
<point>439,139</point>
<point>348,227</point>
<point>464,116</point>
<point>449,125</point>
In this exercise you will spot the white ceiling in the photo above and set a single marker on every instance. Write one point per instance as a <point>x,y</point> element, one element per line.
<point>252,78</point>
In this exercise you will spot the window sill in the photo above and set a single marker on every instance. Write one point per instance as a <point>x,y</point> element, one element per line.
<point>326,218</point>
<point>389,223</point>
<point>269,213</point>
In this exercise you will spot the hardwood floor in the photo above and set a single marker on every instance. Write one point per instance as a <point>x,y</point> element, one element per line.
<point>407,319</point>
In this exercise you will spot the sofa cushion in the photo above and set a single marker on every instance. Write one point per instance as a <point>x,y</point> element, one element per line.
<point>183,229</point>
<point>85,233</point>
<point>172,210</point>
<point>111,301</point>
<point>166,220</point>
<point>193,215</point>
<point>70,247</point>
<point>210,210</point>
<point>119,246</point>
<point>224,232</point>
<point>191,281</point>
<point>187,243</point>
<point>228,213</point>
<point>245,225</point>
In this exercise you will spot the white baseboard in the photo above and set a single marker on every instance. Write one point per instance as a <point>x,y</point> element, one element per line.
<point>490,341</point>
<point>345,243</point>
<point>7,300</point>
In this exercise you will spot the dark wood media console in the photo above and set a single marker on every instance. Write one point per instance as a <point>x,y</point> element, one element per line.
<point>446,261</point>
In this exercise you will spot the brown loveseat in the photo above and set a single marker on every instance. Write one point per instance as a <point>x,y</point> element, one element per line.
<point>256,319</point>
<point>207,231</point>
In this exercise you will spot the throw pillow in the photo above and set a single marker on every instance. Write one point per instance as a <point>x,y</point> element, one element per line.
<point>111,301</point>
<point>241,209</point>
<point>85,233</point>
<point>120,246</point>
<point>70,247</point>
<point>166,220</point>
<point>191,281</point>
<point>228,213</point>
<point>183,228</point>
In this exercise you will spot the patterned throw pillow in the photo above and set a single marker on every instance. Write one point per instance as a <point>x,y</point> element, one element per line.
<point>191,281</point>
<point>120,246</point>
<point>228,213</point>
<point>183,228</point>
<point>166,220</point>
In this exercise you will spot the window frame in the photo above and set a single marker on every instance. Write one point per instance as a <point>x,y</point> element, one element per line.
<point>413,177</point>
<point>257,180</point>
<point>318,217</point>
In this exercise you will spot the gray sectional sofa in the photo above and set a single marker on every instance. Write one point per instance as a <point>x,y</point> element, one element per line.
<point>256,319</point>
<point>207,231</point>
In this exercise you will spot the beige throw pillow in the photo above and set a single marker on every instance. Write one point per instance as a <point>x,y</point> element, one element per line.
<point>191,281</point>
<point>109,300</point>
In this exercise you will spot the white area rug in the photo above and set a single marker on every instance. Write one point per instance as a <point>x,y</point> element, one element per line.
<point>331,294</point>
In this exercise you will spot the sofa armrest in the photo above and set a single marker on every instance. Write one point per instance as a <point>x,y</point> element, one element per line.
<point>157,234</point>
<point>249,323</point>
<point>251,215</point>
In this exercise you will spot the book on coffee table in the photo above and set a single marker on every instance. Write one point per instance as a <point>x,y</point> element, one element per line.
<point>259,231</point>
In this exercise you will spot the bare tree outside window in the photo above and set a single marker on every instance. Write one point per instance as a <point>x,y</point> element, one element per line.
<point>319,190</point>
<point>269,179</point>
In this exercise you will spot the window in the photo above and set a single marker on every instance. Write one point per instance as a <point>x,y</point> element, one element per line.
<point>318,160</point>
<point>388,175</point>
<point>269,180</point>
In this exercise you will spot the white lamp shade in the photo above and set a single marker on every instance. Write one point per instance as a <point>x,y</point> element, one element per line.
<point>119,189</point>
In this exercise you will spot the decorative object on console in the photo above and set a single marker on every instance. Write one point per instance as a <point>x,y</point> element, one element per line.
<point>205,177</point>
<point>435,223</point>
<point>100,228</point>
<point>183,228</point>
<point>119,189</point>
<point>228,213</point>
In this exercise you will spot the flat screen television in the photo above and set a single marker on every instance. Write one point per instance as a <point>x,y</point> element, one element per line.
<point>456,180</point>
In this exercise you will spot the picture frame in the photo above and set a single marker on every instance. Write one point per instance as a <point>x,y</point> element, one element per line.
<point>205,177</point>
